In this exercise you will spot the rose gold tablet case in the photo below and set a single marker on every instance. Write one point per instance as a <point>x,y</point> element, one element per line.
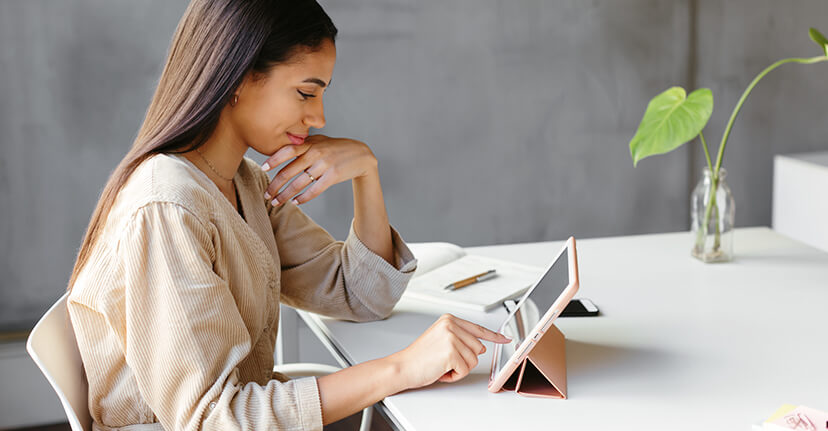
<point>542,372</point>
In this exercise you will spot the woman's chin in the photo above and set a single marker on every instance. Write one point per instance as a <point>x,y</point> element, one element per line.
<point>270,150</point>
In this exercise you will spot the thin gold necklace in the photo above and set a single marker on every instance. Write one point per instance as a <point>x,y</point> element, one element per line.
<point>212,168</point>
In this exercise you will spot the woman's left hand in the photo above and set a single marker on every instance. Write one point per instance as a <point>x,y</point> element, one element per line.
<point>325,161</point>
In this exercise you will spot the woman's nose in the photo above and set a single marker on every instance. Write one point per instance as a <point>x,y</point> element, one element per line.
<point>316,116</point>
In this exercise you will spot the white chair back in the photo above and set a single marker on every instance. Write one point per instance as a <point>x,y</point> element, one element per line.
<point>53,347</point>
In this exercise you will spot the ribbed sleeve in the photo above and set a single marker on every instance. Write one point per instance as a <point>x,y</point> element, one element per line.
<point>341,279</point>
<point>185,336</point>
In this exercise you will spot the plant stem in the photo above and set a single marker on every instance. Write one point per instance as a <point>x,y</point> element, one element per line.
<point>752,84</point>
<point>717,240</point>
<point>706,152</point>
<point>714,184</point>
<point>702,233</point>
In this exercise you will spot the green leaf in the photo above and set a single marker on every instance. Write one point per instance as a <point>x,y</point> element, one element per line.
<point>671,120</point>
<point>819,39</point>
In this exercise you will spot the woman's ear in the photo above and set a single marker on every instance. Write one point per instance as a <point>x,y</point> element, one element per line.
<point>250,78</point>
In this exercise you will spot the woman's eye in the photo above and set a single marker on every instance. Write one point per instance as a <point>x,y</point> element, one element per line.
<point>305,96</point>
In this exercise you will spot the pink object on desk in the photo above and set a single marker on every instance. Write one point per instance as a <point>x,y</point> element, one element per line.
<point>797,418</point>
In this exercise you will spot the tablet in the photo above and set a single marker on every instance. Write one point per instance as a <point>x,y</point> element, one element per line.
<point>530,317</point>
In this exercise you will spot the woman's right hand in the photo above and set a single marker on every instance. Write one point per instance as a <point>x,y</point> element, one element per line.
<point>446,352</point>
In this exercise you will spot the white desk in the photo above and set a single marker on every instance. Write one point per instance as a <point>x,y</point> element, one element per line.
<point>680,345</point>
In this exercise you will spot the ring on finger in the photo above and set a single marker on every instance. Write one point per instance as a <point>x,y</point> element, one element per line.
<point>309,175</point>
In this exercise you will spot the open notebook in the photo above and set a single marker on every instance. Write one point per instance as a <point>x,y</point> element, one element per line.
<point>441,263</point>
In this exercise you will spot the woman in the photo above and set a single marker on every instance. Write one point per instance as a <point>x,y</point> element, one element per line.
<point>175,293</point>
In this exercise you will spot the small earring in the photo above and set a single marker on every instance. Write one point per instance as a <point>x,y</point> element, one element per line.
<point>235,100</point>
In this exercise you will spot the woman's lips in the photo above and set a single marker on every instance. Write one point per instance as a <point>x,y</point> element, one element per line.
<point>296,140</point>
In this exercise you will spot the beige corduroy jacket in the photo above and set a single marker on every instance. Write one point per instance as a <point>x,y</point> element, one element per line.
<point>176,313</point>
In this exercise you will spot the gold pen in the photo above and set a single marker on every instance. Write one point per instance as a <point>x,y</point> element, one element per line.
<point>471,280</point>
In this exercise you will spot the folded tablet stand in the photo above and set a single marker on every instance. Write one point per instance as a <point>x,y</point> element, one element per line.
<point>543,372</point>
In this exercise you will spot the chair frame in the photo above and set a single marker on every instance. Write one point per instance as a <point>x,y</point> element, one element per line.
<point>54,348</point>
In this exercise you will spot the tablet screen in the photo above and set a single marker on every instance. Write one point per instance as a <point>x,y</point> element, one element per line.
<point>524,315</point>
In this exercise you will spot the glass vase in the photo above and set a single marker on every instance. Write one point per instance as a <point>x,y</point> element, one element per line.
<point>712,214</point>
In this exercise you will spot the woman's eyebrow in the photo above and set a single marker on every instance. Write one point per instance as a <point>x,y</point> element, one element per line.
<point>317,81</point>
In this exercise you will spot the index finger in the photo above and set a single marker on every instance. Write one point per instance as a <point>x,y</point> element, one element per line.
<point>284,154</point>
<point>483,333</point>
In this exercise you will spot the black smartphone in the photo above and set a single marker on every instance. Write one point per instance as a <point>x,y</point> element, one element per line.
<point>579,307</point>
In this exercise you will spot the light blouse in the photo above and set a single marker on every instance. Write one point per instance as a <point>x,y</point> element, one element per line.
<point>176,312</point>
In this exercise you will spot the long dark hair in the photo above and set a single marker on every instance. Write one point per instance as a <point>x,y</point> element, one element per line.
<point>216,43</point>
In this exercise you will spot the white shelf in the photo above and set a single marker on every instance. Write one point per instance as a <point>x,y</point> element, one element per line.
<point>800,197</point>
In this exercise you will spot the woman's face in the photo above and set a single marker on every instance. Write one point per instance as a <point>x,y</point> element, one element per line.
<point>269,110</point>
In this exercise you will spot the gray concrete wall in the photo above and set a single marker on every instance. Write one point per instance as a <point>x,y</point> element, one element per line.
<point>499,122</point>
<point>493,121</point>
<point>75,78</point>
